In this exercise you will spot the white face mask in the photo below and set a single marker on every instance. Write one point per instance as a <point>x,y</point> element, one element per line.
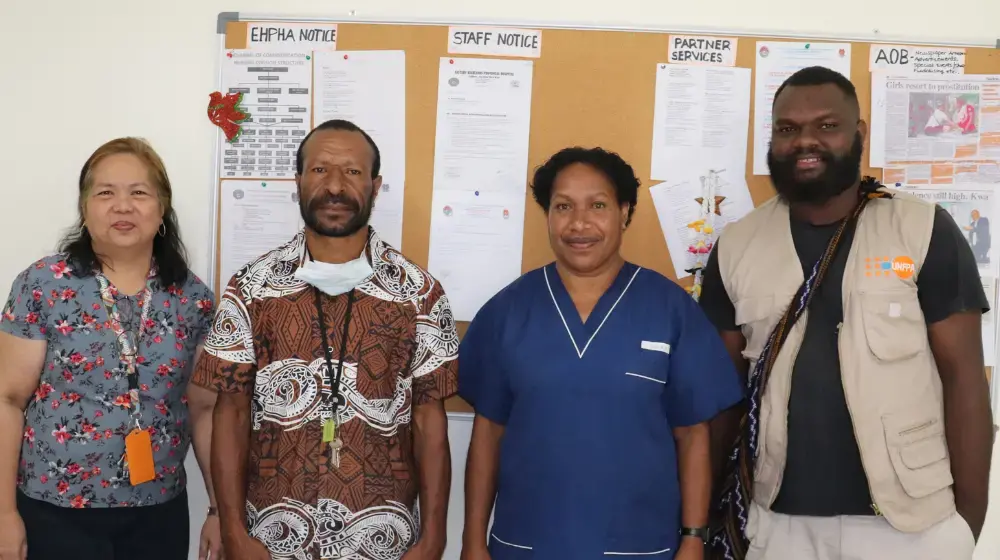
<point>335,279</point>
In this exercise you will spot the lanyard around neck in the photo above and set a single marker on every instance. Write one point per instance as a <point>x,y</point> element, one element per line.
<point>328,352</point>
<point>127,350</point>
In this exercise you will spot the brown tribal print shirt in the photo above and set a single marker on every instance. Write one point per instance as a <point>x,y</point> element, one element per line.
<point>401,351</point>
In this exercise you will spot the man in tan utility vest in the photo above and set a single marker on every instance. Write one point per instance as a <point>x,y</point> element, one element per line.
<point>856,313</point>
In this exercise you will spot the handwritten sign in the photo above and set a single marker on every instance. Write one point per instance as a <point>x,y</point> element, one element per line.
<point>702,50</point>
<point>495,41</point>
<point>292,36</point>
<point>902,60</point>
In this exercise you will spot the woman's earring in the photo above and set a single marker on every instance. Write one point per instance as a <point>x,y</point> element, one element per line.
<point>163,229</point>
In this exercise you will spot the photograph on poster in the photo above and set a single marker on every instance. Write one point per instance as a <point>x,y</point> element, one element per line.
<point>974,216</point>
<point>974,219</point>
<point>943,114</point>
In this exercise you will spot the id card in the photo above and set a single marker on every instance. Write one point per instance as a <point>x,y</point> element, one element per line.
<point>139,455</point>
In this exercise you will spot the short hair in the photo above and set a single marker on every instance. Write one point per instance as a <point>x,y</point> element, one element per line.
<point>820,76</point>
<point>616,169</point>
<point>338,124</point>
<point>168,249</point>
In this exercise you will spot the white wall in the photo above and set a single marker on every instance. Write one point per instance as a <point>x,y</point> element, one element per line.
<point>76,74</point>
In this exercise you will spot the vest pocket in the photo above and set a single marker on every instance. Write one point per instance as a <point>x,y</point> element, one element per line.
<point>919,453</point>
<point>753,316</point>
<point>893,324</point>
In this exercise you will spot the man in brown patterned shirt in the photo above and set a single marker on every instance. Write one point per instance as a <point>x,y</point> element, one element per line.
<point>332,356</point>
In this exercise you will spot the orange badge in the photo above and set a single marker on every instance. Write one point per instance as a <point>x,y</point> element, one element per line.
<point>903,267</point>
<point>139,455</point>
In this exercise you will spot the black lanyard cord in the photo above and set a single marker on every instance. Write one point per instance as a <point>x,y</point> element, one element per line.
<point>328,352</point>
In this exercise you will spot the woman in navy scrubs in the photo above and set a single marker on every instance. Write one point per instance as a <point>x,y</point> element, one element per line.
<point>593,381</point>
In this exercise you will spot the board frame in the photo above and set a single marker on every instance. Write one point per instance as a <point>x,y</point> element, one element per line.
<point>350,17</point>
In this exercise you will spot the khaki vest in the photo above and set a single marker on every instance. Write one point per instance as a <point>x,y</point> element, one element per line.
<point>890,378</point>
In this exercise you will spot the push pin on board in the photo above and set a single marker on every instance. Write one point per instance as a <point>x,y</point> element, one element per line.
<point>345,57</point>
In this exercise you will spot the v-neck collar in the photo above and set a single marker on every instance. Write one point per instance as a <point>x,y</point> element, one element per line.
<point>578,330</point>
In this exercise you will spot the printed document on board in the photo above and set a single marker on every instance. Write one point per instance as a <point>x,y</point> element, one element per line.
<point>257,217</point>
<point>368,88</point>
<point>941,174</point>
<point>700,119</point>
<point>974,208</point>
<point>483,123</point>
<point>277,95</point>
<point>934,118</point>
<point>475,245</point>
<point>776,61</point>
<point>678,205</point>
<point>480,178</point>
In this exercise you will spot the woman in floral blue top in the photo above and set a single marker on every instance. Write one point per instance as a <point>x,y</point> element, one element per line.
<point>97,344</point>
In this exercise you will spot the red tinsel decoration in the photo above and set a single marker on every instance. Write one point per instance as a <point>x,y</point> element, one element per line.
<point>224,111</point>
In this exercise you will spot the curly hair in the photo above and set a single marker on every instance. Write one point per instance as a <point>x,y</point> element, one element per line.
<point>616,169</point>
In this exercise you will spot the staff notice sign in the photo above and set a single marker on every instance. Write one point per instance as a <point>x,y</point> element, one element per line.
<point>702,50</point>
<point>495,41</point>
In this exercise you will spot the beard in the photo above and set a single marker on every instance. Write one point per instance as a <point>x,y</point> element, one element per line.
<point>360,214</point>
<point>839,174</point>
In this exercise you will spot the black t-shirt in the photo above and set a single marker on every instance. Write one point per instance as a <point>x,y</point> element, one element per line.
<point>824,475</point>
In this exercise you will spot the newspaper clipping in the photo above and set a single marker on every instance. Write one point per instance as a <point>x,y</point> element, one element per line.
<point>929,119</point>
<point>974,207</point>
<point>944,173</point>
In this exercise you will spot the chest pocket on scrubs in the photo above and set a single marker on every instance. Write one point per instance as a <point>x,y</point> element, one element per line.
<point>649,365</point>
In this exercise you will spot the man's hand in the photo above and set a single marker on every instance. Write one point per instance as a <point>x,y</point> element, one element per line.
<point>244,547</point>
<point>423,551</point>
<point>691,549</point>
<point>13,542</point>
<point>210,547</point>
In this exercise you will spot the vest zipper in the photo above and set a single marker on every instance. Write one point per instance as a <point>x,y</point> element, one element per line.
<point>857,440</point>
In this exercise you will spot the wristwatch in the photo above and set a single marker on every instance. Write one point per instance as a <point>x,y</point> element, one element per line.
<point>212,511</point>
<point>698,532</point>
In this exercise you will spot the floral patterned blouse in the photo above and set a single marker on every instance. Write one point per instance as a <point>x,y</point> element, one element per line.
<point>75,425</point>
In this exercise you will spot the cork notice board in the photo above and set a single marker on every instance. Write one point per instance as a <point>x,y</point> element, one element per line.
<point>590,88</point>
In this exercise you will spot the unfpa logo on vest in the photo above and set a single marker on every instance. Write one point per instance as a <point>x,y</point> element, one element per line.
<point>902,267</point>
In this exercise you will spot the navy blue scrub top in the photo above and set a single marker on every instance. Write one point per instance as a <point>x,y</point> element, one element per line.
<point>588,464</point>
